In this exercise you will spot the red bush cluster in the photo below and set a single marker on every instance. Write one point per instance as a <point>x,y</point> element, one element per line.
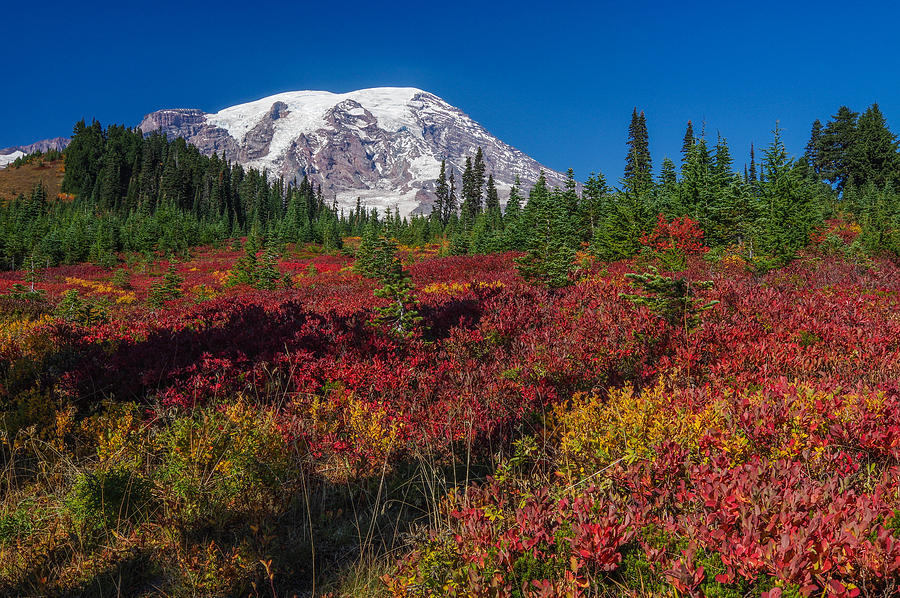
<point>801,365</point>
<point>682,234</point>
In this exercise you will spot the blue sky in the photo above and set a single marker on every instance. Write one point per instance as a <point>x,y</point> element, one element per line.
<point>558,81</point>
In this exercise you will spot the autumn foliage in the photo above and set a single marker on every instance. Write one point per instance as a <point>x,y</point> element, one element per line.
<point>755,453</point>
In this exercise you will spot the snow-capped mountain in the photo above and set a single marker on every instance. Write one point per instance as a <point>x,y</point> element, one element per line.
<point>383,145</point>
<point>8,155</point>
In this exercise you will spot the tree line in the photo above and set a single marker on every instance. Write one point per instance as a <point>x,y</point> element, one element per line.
<point>146,193</point>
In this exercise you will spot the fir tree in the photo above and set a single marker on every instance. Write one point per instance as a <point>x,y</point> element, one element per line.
<point>492,200</point>
<point>688,141</point>
<point>401,314</point>
<point>511,217</point>
<point>549,250</point>
<point>594,199</point>
<point>813,152</point>
<point>667,201</point>
<point>638,178</point>
<point>788,210</point>
<point>753,173</point>
<point>837,149</point>
<point>875,159</point>
<point>442,192</point>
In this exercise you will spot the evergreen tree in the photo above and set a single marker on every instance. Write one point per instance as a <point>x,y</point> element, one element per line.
<point>511,217</point>
<point>492,200</point>
<point>365,255</point>
<point>401,314</point>
<point>442,191</point>
<point>168,289</point>
<point>594,200</point>
<point>837,149</point>
<point>450,207</point>
<point>813,152</point>
<point>753,172</point>
<point>638,178</point>
<point>667,200</point>
<point>875,159</point>
<point>688,141</point>
<point>788,210</point>
<point>549,250</point>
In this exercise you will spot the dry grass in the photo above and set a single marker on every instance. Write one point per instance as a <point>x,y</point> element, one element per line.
<point>23,179</point>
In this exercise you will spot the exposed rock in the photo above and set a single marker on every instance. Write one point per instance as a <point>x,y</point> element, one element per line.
<point>57,144</point>
<point>383,145</point>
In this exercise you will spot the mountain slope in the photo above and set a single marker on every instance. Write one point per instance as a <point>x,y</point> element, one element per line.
<point>57,143</point>
<point>383,145</point>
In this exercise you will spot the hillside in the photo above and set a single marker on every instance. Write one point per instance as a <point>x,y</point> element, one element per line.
<point>23,179</point>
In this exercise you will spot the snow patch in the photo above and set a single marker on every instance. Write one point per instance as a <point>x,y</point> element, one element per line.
<point>391,106</point>
<point>7,159</point>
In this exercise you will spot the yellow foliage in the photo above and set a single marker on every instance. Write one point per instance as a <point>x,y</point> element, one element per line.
<point>97,287</point>
<point>370,428</point>
<point>456,287</point>
<point>16,333</point>
<point>220,276</point>
<point>594,432</point>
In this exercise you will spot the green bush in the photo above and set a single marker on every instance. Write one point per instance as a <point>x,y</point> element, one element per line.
<point>106,497</point>
<point>213,462</point>
<point>87,312</point>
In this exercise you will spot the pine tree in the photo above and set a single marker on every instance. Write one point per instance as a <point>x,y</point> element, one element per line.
<point>511,217</point>
<point>638,178</point>
<point>468,207</point>
<point>698,187</point>
<point>365,255</point>
<point>837,149</point>
<point>492,199</point>
<point>594,200</point>
<point>618,236</point>
<point>450,207</point>
<point>670,298</point>
<point>401,314</point>
<point>788,210</point>
<point>442,191</point>
<point>688,141</point>
<point>875,157</point>
<point>168,289</point>
<point>753,173</point>
<point>667,200</point>
<point>268,276</point>
<point>721,167</point>
<point>549,248</point>
<point>478,169</point>
<point>813,151</point>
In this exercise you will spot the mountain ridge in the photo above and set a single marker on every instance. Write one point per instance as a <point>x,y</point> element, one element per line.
<point>383,145</point>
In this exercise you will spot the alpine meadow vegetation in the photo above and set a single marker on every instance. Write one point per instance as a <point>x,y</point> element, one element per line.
<point>216,384</point>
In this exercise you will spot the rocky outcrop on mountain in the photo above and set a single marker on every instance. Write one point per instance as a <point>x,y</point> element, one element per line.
<point>57,143</point>
<point>383,145</point>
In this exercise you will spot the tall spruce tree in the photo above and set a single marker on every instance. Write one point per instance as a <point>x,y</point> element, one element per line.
<point>837,150</point>
<point>688,142</point>
<point>875,158</point>
<point>594,203</point>
<point>638,177</point>
<point>442,191</point>
<point>667,200</point>
<point>813,151</point>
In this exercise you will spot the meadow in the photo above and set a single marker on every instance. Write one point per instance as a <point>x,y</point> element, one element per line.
<point>167,433</point>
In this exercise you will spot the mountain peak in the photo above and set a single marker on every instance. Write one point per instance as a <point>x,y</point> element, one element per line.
<point>382,144</point>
